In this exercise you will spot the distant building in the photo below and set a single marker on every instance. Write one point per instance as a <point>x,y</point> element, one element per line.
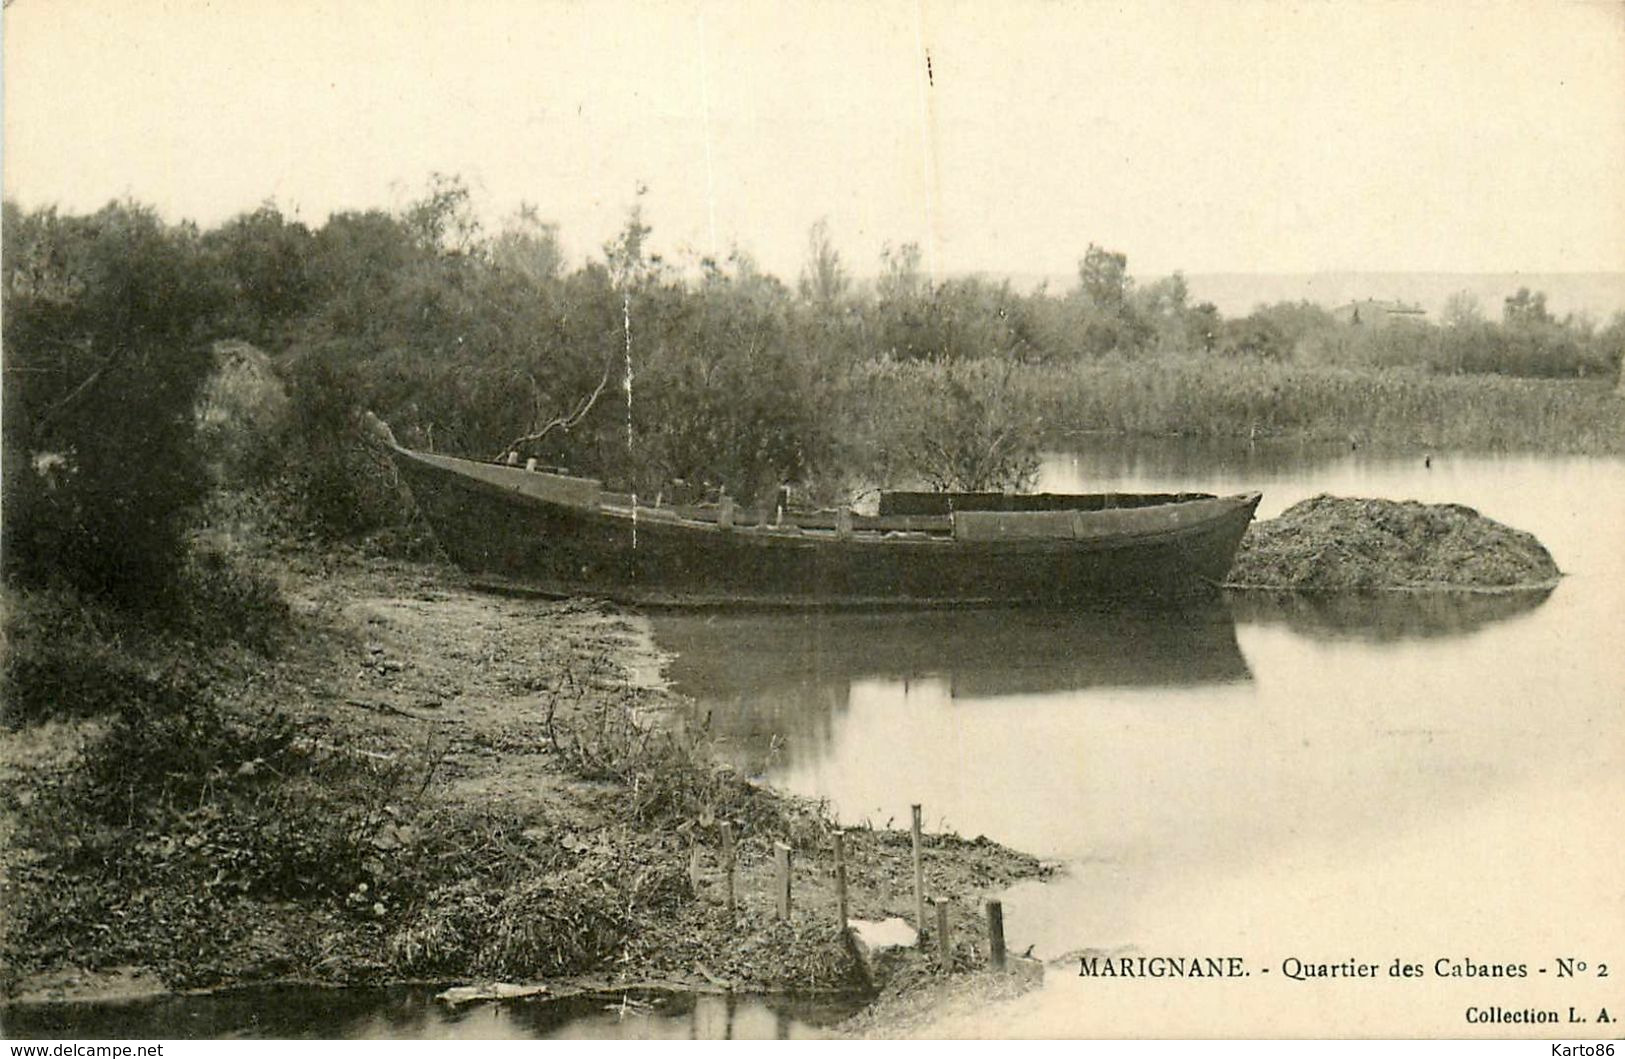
<point>1374,313</point>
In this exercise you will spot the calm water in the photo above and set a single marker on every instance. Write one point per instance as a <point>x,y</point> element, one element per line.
<point>1417,777</point>
<point>1266,777</point>
<point>412,1013</point>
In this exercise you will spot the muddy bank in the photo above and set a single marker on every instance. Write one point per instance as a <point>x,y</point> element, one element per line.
<point>974,1001</point>
<point>1338,544</point>
<point>429,783</point>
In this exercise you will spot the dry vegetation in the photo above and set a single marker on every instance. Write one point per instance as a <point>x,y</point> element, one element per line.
<point>1338,544</point>
<point>421,783</point>
<point>226,761</point>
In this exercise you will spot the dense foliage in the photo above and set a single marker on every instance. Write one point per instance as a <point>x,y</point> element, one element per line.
<point>160,381</point>
<point>105,317</point>
<point>709,376</point>
<point>156,374</point>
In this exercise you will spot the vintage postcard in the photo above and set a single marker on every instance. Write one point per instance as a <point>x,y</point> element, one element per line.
<point>662,519</point>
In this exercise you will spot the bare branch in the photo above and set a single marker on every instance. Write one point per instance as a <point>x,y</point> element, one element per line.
<point>78,391</point>
<point>564,422</point>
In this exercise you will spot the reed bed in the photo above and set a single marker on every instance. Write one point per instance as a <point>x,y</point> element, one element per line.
<point>1386,408</point>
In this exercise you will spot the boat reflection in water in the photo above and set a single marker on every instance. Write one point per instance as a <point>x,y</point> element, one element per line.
<point>774,687</point>
<point>1382,617</point>
<point>774,684</point>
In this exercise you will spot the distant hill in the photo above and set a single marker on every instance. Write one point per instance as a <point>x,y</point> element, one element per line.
<point>1236,293</point>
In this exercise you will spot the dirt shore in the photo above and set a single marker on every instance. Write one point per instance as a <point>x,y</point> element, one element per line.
<point>528,801</point>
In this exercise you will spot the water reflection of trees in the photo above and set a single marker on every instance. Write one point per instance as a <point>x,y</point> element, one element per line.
<point>767,678</point>
<point>1382,617</point>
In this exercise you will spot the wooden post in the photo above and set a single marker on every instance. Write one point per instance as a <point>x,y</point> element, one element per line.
<point>725,513</point>
<point>728,862</point>
<point>995,935</point>
<point>919,879</point>
<point>945,949</point>
<point>781,854</point>
<point>843,522</point>
<point>840,877</point>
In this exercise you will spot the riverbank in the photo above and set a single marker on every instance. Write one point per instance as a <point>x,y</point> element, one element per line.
<point>419,782</point>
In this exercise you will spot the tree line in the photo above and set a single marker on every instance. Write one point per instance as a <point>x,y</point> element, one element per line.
<point>716,374</point>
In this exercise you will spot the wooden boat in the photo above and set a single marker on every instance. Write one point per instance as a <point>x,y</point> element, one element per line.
<point>562,535</point>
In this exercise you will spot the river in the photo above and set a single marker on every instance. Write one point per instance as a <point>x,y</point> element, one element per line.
<point>1414,778</point>
<point>1430,780</point>
<point>412,1013</point>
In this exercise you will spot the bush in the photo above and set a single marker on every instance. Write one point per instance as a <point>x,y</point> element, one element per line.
<point>338,487</point>
<point>955,425</point>
<point>70,655</point>
<point>186,808</point>
<point>221,602</point>
<point>105,318</point>
<point>242,417</point>
<point>1255,336</point>
<point>66,658</point>
<point>570,918</point>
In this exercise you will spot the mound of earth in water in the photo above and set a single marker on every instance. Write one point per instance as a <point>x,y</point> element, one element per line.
<point>1329,543</point>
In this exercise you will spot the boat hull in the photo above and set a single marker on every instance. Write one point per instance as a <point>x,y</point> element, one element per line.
<point>495,522</point>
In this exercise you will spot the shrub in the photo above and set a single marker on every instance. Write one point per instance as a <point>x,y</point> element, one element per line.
<point>105,317</point>
<point>66,658</point>
<point>337,486</point>
<point>69,655</point>
<point>242,416</point>
<point>185,808</point>
<point>956,425</point>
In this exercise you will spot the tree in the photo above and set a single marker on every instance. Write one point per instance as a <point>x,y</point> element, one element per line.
<point>1525,308</point>
<point>1256,335</point>
<point>630,265</point>
<point>1202,326</point>
<point>1163,305</point>
<point>1109,320</point>
<point>1167,297</point>
<point>1610,345</point>
<point>443,221</point>
<point>1103,279</point>
<point>357,262</point>
<point>736,386</point>
<point>823,279</point>
<point>1298,325</point>
<point>963,427</point>
<point>901,278</point>
<point>106,324</point>
<point>266,260</point>
<point>528,248</point>
<point>1462,309</point>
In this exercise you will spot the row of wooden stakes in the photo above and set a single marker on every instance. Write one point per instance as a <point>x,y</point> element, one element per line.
<point>782,856</point>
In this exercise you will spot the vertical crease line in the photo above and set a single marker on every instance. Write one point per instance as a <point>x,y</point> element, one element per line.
<point>925,141</point>
<point>631,459</point>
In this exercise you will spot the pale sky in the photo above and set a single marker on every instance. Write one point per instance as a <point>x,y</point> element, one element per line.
<point>1204,136</point>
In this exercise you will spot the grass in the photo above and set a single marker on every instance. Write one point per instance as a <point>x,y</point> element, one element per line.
<point>502,804</point>
<point>192,805</point>
<point>1384,408</point>
<point>1395,409</point>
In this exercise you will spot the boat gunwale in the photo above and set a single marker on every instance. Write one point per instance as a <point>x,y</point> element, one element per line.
<point>757,534</point>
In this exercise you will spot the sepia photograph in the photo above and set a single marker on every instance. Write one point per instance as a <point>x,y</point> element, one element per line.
<point>655,520</point>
